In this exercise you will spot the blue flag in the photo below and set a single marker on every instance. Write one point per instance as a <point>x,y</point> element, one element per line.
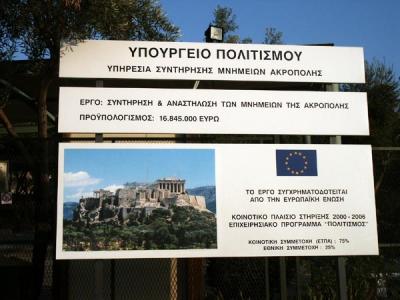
<point>296,163</point>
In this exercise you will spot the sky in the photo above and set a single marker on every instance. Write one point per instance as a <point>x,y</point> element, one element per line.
<point>86,170</point>
<point>371,24</point>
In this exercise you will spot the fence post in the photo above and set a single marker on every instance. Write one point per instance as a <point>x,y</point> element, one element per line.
<point>283,281</point>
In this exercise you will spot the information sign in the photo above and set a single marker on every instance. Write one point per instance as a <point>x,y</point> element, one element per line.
<point>203,200</point>
<point>116,110</point>
<point>212,61</point>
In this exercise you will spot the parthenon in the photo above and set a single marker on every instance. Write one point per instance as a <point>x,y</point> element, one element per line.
<point>172,184</point>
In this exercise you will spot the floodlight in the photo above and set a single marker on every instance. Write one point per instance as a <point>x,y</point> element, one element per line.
<point>214,34</point>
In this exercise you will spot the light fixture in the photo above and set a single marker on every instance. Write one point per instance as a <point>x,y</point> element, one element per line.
<point>214,34</point>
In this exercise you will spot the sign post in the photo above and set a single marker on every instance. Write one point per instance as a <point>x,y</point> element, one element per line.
<point>275,200</point>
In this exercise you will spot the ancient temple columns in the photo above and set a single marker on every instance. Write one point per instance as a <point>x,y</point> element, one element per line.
<point>172,185</point>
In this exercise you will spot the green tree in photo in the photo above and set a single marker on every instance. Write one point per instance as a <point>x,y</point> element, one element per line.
<point>175,228</point>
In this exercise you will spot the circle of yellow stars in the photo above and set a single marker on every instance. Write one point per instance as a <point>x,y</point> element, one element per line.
<point>292,170</point>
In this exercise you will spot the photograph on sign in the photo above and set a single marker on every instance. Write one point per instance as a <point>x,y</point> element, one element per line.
<point>133,110</point>
<point>201,200</point>
<point>138,199</point>
<point>212,61</point>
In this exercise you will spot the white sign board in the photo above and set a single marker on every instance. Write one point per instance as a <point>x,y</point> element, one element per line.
<point>212,61</point>
<point>200,200</point>
<point>115,110</point>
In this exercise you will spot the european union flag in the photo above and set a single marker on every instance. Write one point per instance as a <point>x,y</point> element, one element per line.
<point>296,163</point>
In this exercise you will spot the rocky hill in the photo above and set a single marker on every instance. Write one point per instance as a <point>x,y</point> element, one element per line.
<point>209,193</point>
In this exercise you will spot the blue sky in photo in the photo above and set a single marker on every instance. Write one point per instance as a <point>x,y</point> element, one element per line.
<point>371,24</point>
<point>86,170</point>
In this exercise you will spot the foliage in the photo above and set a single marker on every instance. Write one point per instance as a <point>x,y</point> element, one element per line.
<point>247,40</point>
<point>131,20</point>
<point>241,278</point>
<point>232,39</point>
<point>7,44</point>
<point>387,174</point>
<point>179,228</point>
<point>383,91</point>
<point>224,18</point>
<point>365,276</point>
<point>273,36</point>
<point>36,28</point>
<point>320,277</point>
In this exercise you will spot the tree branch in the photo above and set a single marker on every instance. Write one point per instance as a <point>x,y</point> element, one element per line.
<point>385,164</point>
<point>11,131</point>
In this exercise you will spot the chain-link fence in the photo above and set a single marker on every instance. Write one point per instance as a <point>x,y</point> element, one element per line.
<point>212,278</point>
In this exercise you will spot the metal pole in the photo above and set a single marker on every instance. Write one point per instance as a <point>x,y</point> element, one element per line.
<point>196,281</point>
<point>283,282</point>
<point>267,285</point>
<point>299,276</point>
<point>299,273</point>
<point>99,279</point>
<point>99,136</point>
<point>99,264</point>
<point>341,262</point>
<point>342,277</point>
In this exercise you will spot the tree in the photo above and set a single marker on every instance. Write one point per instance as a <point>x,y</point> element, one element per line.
<point>383,91</point>
<point>273,36</point>
<point>7,44</point>
<point>131,20</point>
<point>36,29</point>
<point>224,18</point>
<point>247,40</point>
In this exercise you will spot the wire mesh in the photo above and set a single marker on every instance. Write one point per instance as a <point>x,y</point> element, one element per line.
<point>236,278</point>
<point>124,279</point>
<point>145,279</point>
<point>217,278</point>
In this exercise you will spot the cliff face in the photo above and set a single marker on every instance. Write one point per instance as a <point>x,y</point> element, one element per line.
<point>208,192</point>
<point>110,207</point>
